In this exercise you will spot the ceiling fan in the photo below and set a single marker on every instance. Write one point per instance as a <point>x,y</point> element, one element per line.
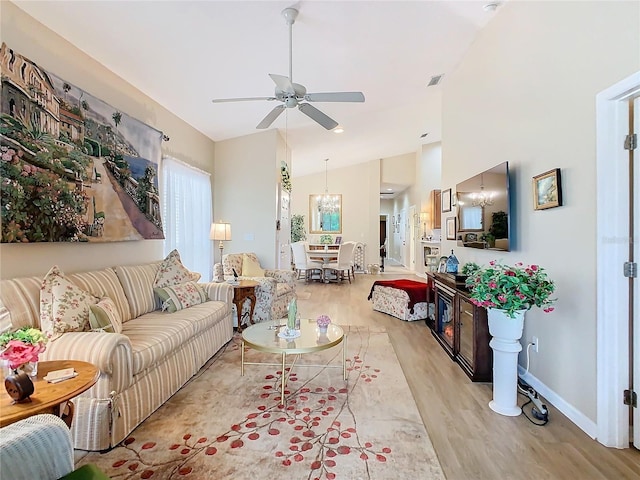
<point>295,95</point>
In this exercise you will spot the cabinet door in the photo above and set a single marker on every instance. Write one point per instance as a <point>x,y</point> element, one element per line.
<point>444,324</point>
<point>466,325</point>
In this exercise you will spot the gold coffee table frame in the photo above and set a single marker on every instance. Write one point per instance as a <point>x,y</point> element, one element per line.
<point>264,337</point>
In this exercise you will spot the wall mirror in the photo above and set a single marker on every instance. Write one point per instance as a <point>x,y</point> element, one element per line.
<point>483,209</point>
<point>325,213</point>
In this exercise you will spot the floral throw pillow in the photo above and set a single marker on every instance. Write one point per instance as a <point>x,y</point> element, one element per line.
<point>173,272</point>
<point>64,307</point>
<point>104,316</point>
<point>177,297</point>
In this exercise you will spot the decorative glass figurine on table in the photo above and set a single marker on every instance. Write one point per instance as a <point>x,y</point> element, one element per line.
<point>293,321</point>
<point>452,263</point>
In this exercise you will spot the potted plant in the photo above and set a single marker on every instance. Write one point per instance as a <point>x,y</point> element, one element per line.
<point>469,268</point>
<point>499,225</point>
<point>507,292</point>
<point>511,289</point>
<point>297,228</point>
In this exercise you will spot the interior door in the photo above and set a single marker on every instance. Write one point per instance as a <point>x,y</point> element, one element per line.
<point>412,237</point>
<point>634,324</point>
<point>402,237</point>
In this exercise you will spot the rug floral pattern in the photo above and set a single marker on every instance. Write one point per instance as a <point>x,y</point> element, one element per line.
<point>222,425</point>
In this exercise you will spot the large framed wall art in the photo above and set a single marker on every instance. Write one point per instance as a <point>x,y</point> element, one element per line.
<point>73,168</point>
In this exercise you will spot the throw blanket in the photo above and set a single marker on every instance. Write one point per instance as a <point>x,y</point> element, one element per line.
<point>418,291</point>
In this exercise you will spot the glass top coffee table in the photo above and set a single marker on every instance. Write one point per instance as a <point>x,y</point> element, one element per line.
<point>264,337</point>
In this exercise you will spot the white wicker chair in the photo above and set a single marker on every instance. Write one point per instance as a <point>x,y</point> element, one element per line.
<point>37,447</point>
<point>40,447</point>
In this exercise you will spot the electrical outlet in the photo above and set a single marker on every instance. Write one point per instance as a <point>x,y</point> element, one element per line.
<point>536,344</point>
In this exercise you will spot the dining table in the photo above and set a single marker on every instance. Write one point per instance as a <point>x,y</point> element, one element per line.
<point>325,255</point>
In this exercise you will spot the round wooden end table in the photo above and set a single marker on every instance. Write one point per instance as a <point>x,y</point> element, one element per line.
<point>48,397</point>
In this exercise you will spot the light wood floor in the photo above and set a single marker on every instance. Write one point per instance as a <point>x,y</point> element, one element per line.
<point>472,442</point>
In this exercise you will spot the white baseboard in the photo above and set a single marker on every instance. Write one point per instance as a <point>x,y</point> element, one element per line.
<point>587,425</point>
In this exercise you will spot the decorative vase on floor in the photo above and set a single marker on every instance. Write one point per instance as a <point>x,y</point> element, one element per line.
<point>506,332</point>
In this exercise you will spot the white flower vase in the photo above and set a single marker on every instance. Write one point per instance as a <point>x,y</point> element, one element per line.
<point>506,332</point>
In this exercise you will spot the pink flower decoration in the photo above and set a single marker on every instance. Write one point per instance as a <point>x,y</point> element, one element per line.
<point>323,321</point>
<point>18,353</point>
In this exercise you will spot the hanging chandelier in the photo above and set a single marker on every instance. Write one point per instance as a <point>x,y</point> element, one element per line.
<point>483,198</point>
<point>328,204</point>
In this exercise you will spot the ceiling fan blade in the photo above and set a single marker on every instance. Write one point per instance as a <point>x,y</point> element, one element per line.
<point>335,97</point>
<point>315,114</point>
<point>271,116</point>
<point>282,83</point>
<point>241,99</point>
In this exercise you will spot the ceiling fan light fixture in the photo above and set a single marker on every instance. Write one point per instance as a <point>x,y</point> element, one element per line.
<point>294,94</point>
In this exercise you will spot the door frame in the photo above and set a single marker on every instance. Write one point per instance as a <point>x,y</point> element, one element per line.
<point>612,247</point>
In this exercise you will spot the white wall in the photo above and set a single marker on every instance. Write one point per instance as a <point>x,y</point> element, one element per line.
<point>360,189</point>
<point>525,93</point>
<point>246,176</point>
<point>32,40</point>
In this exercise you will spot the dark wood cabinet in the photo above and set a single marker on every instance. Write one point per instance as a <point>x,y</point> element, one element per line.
<point>461,328</point>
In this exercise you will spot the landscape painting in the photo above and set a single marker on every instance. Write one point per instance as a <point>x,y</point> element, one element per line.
<point>73,168</point>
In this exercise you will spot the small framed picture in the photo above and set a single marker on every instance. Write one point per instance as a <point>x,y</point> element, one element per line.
<point>446,200</point>
<point>450,226</point>
<point>547,190</point>
<point>338,240</point>
<point>442,265</point>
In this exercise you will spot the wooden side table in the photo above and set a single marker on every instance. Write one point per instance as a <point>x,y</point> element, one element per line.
<point>50,397</point>
<point>243,290</point>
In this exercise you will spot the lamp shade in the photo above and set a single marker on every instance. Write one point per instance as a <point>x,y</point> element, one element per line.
<point>220,231</point>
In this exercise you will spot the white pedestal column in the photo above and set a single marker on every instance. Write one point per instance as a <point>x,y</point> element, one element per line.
<point>506,332</point>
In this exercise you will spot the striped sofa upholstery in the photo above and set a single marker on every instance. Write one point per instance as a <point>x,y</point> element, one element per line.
<point>140,368</point>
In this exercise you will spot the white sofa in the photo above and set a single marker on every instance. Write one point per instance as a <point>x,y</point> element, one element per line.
<point>140,368</point>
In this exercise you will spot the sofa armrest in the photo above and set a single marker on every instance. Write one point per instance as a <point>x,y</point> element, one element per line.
<point>221,292</point>
<point>282,276</point>
<point>109,352</point>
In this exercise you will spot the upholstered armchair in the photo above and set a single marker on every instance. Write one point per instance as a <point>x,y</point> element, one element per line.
<point>40,447</point>
<point>276,288</point>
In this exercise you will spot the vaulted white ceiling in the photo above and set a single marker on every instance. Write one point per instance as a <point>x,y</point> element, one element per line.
<point>185,53</point>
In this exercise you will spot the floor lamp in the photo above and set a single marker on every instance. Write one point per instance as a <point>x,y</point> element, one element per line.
<point>220,231</point>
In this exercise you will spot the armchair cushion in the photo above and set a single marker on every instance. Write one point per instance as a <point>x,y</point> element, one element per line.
<point>251,267</point>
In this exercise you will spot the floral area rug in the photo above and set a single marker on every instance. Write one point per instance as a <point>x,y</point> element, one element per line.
<point>222,425</point>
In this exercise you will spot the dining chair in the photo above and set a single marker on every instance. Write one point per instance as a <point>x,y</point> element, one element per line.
<point>344,264</point>
<point>311,269</point>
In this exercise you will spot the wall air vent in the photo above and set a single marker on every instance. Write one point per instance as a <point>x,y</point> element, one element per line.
<point>435,80</point>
